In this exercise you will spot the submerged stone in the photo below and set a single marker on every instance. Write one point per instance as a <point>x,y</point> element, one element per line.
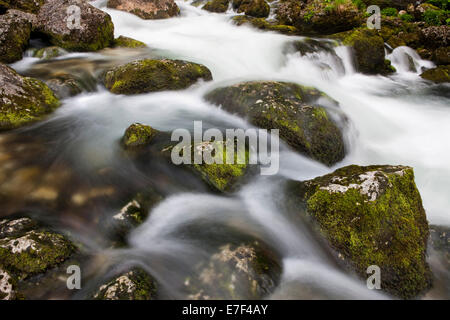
<point>293,109</point>
<point>148,75</point>
<point>372,216</point>
<point>135,284</point>
<point>49,53</point>
<point>23,100</point>
<point>246,271</point>
<point>125,42</point>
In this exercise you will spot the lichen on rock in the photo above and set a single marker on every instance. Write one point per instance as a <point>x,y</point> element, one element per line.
<point>149,75</point>
<point>293,109</point>
<point>7,285</point>
<point>23,100</point>
<point>135,284</point>
<point>373,216</point>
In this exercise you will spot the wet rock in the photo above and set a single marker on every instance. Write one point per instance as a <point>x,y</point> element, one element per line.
<point>147,9</point>
<point>133,213</point>
<point>23,100</point>
<point>440,241</point>
<point>293,109</point>
<point>372,216</point>
<point>319,17</point>
<point>148,75</point>
<point>125,42</point>
<point>435,37</point>
<point>218,6</point>
<point>135,284</point>
<point>263,24</point>
<point>95,32</point>
<point>15,31</point>
<point>138,135</point>
<point>253,8</point>
<point>49,53</point>
<point>25,252</point>
<point>246,271</point>
<point>368,48</point>
<point>31,6</point>
<point>440,74</point>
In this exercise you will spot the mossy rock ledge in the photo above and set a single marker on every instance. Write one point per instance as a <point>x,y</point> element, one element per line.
<point>143,76</point>
<point>23,100</point>
<point>134,284</point>
<point>295,110</point>
<point>95,32</point>
<point>26,250</point>
<point>372,216</point>
<point>15,31</point>
<point>248,270</point>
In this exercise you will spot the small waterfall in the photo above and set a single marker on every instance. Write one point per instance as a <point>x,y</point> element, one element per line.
<point>406,59</point>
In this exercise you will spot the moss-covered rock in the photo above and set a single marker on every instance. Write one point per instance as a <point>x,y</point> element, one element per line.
<point>368,48</point>
<point>217,6</point>
<point>49,53</point>
<point>397,32</point>
<point>23,100</point>
<point>135,284</point>
<point>133,213</point>
<point>95,32</point>
<point>373,216</point>
<point>263,24</point>
<point>138,135</point>
<point>31,6</point>
<point>293,109</point>
<point>319,17</point>
<point>253,8</point>
<point>440,74</point>
<point>246,271</point>
<point>15,32</point>
<point>65,85</point>
<point>25,252</point>
<point>154,75</point>
<point>125,42</point>
<point>147,9</point>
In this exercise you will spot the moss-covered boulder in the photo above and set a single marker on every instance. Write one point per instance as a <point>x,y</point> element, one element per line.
<point>95,31</point>
<point>253,8</point>
<point>373,216</point>
<point>397,32</point>
<point>368,49</point>
<point>125,42</point>
<point>49,53</point>
<point>31,6</point>
<point>293,109</point>
<point>147,9</point>
<point>263,24</point>
<point>23,100</point>
<point>26,250</point>
<point>135,284</point>
<point>148,75</point>
<point>319,17</point>
<point>217,6</point>
<point>246,271</point>
<point>138,135</point>
<point>440,74</point>
<point>15,30</point>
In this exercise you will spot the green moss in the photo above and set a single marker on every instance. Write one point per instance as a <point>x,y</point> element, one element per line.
<point>254,8</point>
<point>154,75</point>
<point>125,42</point>
<point>138,135</point>
<point>390,231</point>
<point>440,74</point>
<point>390,12</point>
<point>222,176</point>
<point>216,6</point>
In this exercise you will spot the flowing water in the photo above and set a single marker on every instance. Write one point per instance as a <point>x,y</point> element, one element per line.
<point>399,119</point>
